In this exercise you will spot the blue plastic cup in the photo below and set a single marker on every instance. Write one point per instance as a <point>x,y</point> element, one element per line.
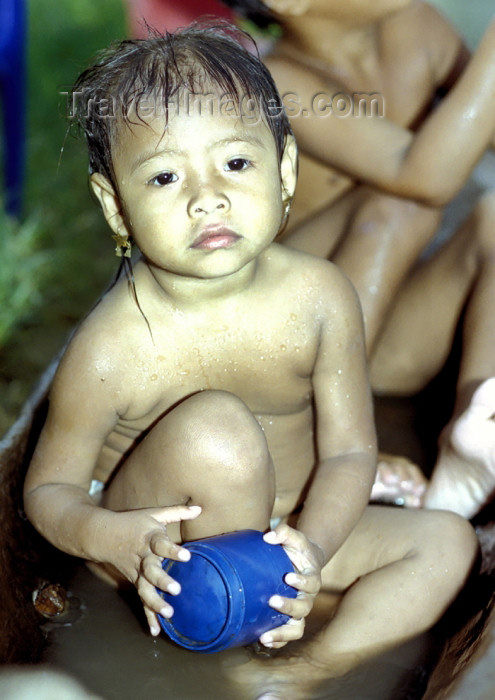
<point>226,586</point>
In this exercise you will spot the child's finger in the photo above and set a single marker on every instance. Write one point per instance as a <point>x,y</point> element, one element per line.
<point>163,547</point>
<point>296,608</point>
<point>282,534</point>
<point>153,574</point>
<point>152,621</point>
<point>174,514</point>
<point>152,600</point>
<point>296,545</point>
<point>278,637</point>
<point>308,583</point>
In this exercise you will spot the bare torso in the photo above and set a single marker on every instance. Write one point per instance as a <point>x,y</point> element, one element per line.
<point>269,368</point>
<point>413,57</point>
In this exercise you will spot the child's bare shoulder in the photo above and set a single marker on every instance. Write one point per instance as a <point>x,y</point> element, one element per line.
<point>101,348</point>
<point>422,27</point>
<point>420,15</point>
<point>318,278</point>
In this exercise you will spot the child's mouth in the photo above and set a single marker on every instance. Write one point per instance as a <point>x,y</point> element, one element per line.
<point>214,237</point>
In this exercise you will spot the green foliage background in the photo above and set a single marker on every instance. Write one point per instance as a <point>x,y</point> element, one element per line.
<point>58,258</point>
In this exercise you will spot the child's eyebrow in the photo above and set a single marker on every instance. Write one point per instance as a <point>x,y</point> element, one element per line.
<point>151,155</point>
<point>250,140</point>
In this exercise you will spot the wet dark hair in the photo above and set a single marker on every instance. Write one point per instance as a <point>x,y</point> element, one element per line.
<point>254,10</point>
<point>199,57</point>
<point>130,75</point>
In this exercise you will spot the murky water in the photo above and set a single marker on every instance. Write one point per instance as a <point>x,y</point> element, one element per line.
<point>109,650</point>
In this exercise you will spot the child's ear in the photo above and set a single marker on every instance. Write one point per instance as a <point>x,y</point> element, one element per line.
<point>110,203</point>
<point>287,7</point>
<point>288,167</point>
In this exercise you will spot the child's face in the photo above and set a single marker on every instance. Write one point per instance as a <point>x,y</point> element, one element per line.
<point>203,197</point>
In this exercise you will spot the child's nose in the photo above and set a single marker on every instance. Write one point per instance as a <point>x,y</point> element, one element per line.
<point>206,200</point>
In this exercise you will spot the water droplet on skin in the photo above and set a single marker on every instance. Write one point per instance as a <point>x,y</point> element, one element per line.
<point>154,377</point>
<point>283,347</point>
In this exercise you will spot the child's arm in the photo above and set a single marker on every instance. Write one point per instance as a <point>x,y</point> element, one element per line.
<point>345,428</point>
<point>346,449</point>
<point>429,165</point>
<point>84,404</point>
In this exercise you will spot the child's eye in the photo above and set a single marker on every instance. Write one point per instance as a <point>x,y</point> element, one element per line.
<point>237,164</point>
<point>163,179</point>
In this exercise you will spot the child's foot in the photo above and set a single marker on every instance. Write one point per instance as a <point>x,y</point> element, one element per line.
<point>464,476</point>
<point>398,481</point>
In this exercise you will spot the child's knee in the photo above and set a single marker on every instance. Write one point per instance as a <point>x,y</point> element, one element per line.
<point>451,542</point>
<point>225,437</point>
<point>465,539</point>
<point>388,215</point>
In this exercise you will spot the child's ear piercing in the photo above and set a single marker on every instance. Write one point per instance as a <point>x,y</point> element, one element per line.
<point>287,202</point>
<point>123,245</point>
<point>287,206</point>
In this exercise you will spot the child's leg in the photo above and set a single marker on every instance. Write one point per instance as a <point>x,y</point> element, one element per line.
<point>376,239</point>
<point>463,479</point>
<point>420,328</point>
<point>418,339</point>
<point>398,572</point>
<point>381,246</point>
<point>464,475</point>
<point>208,451</point>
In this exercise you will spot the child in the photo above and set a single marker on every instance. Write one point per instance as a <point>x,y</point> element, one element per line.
<point>227,385</point>
<point>370,196</point>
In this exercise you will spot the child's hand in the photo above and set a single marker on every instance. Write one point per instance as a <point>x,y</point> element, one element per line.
<point>148,545</point>
<point>306,558</point>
